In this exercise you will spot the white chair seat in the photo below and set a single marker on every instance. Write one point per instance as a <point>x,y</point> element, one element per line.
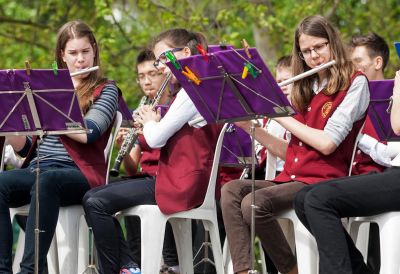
<point>153,223</point>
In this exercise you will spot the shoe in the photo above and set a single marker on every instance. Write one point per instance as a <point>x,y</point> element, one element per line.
<point>131,270</point>
<point>165,269</point>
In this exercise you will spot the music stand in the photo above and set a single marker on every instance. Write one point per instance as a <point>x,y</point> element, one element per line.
<point>379,109</point>
<point>38,102</point>
<point>224,96</point>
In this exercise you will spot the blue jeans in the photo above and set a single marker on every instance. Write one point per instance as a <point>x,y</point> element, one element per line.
<point>59,186</point>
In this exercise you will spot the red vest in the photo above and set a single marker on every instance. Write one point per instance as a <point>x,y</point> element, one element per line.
<point>149,158</point>
<point>363,163</point>
<point>304,163</point>
<point>184,168</point>
<point>88,157</point>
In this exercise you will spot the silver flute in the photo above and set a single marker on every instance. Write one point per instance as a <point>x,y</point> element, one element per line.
<point>133,133</point>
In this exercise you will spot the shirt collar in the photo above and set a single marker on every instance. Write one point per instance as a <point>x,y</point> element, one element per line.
<point>316,89</point>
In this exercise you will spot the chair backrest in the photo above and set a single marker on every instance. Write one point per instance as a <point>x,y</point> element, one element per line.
<point>270,166</point>
<point>209,199</point>
<point>111,141</point>
<point>359,135</point>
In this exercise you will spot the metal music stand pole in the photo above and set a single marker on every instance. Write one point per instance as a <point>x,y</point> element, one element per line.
<point>37,221</point>
<point>253,201</point>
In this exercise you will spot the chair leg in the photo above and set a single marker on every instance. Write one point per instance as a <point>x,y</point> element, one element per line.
<point>152,239</point>
<point>306,250</point>
<point>183,238</point>
<point>68,238</point>
<point>19,251</point>
<point>389,243</point>
<point>212,228</point>
<point>52,257</point>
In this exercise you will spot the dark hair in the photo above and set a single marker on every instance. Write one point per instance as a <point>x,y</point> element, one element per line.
<point>375,44</point>
<point>339,75</point>
<point>181,38</point>
<point>284,62</point>
<point>75,30</point>
<point>145,55</point>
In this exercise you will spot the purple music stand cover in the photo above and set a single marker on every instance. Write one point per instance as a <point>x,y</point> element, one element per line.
<point>236,148</point>
<point>53,96</point>
<point>215,48</point>
<point>223,96</point>
<point>380,92</point>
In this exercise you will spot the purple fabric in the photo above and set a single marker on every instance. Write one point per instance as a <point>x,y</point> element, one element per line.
<point>215,98</point>
<point>236,148</point>
<point>215,48</point>
<point>57,90</point>
<point>380,92</point>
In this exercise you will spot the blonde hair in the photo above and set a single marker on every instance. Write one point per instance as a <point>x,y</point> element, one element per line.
<point>339,75</point>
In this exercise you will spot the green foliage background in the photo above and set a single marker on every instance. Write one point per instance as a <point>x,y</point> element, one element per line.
<point>28,28</point>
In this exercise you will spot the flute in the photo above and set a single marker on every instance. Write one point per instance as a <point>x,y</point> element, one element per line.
<point>84,71</point>
<point>283,83</point>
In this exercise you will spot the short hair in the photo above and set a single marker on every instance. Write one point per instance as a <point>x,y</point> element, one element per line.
<point>284,62</point>
<point>145,55</point>
<point>375,44</point>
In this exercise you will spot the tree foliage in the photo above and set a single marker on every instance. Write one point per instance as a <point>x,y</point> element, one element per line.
<point>28,28</point>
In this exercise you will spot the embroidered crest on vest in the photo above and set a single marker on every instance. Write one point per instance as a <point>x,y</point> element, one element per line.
<point>326,108</point>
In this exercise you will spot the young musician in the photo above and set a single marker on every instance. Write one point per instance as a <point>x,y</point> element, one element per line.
<point>178,186</point>
<point>150,80</point>
<point>320,207</point>
<point>69,164</point>
<point>330,109</point>
<point>370,54</point>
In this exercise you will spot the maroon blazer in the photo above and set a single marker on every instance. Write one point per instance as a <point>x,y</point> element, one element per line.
<point>304,163</point>
<point>184,168</point>
<point>149,158</point>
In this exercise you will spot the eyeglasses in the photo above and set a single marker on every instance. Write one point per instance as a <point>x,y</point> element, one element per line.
<point>318,49</point>
<point>163,59</point>
<point>151,75</point>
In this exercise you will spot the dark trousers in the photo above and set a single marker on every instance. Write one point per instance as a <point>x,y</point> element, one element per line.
<point>320,208</point>
<point>59,186</point>
<point>101,204</point>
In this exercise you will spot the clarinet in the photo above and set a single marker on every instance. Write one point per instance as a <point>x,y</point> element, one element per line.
<point>133,134</point>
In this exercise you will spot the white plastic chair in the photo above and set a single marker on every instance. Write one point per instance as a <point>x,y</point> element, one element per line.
<point>153,223</point>
<point>389,224</point>
<point>70,252</point>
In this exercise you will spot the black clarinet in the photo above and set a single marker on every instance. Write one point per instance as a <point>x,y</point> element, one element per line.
<point>133,133</point>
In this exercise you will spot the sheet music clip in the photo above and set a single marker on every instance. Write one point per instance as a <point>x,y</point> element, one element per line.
<point>28,67</point>
<point>246,48</point>
<point>55,68</point>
